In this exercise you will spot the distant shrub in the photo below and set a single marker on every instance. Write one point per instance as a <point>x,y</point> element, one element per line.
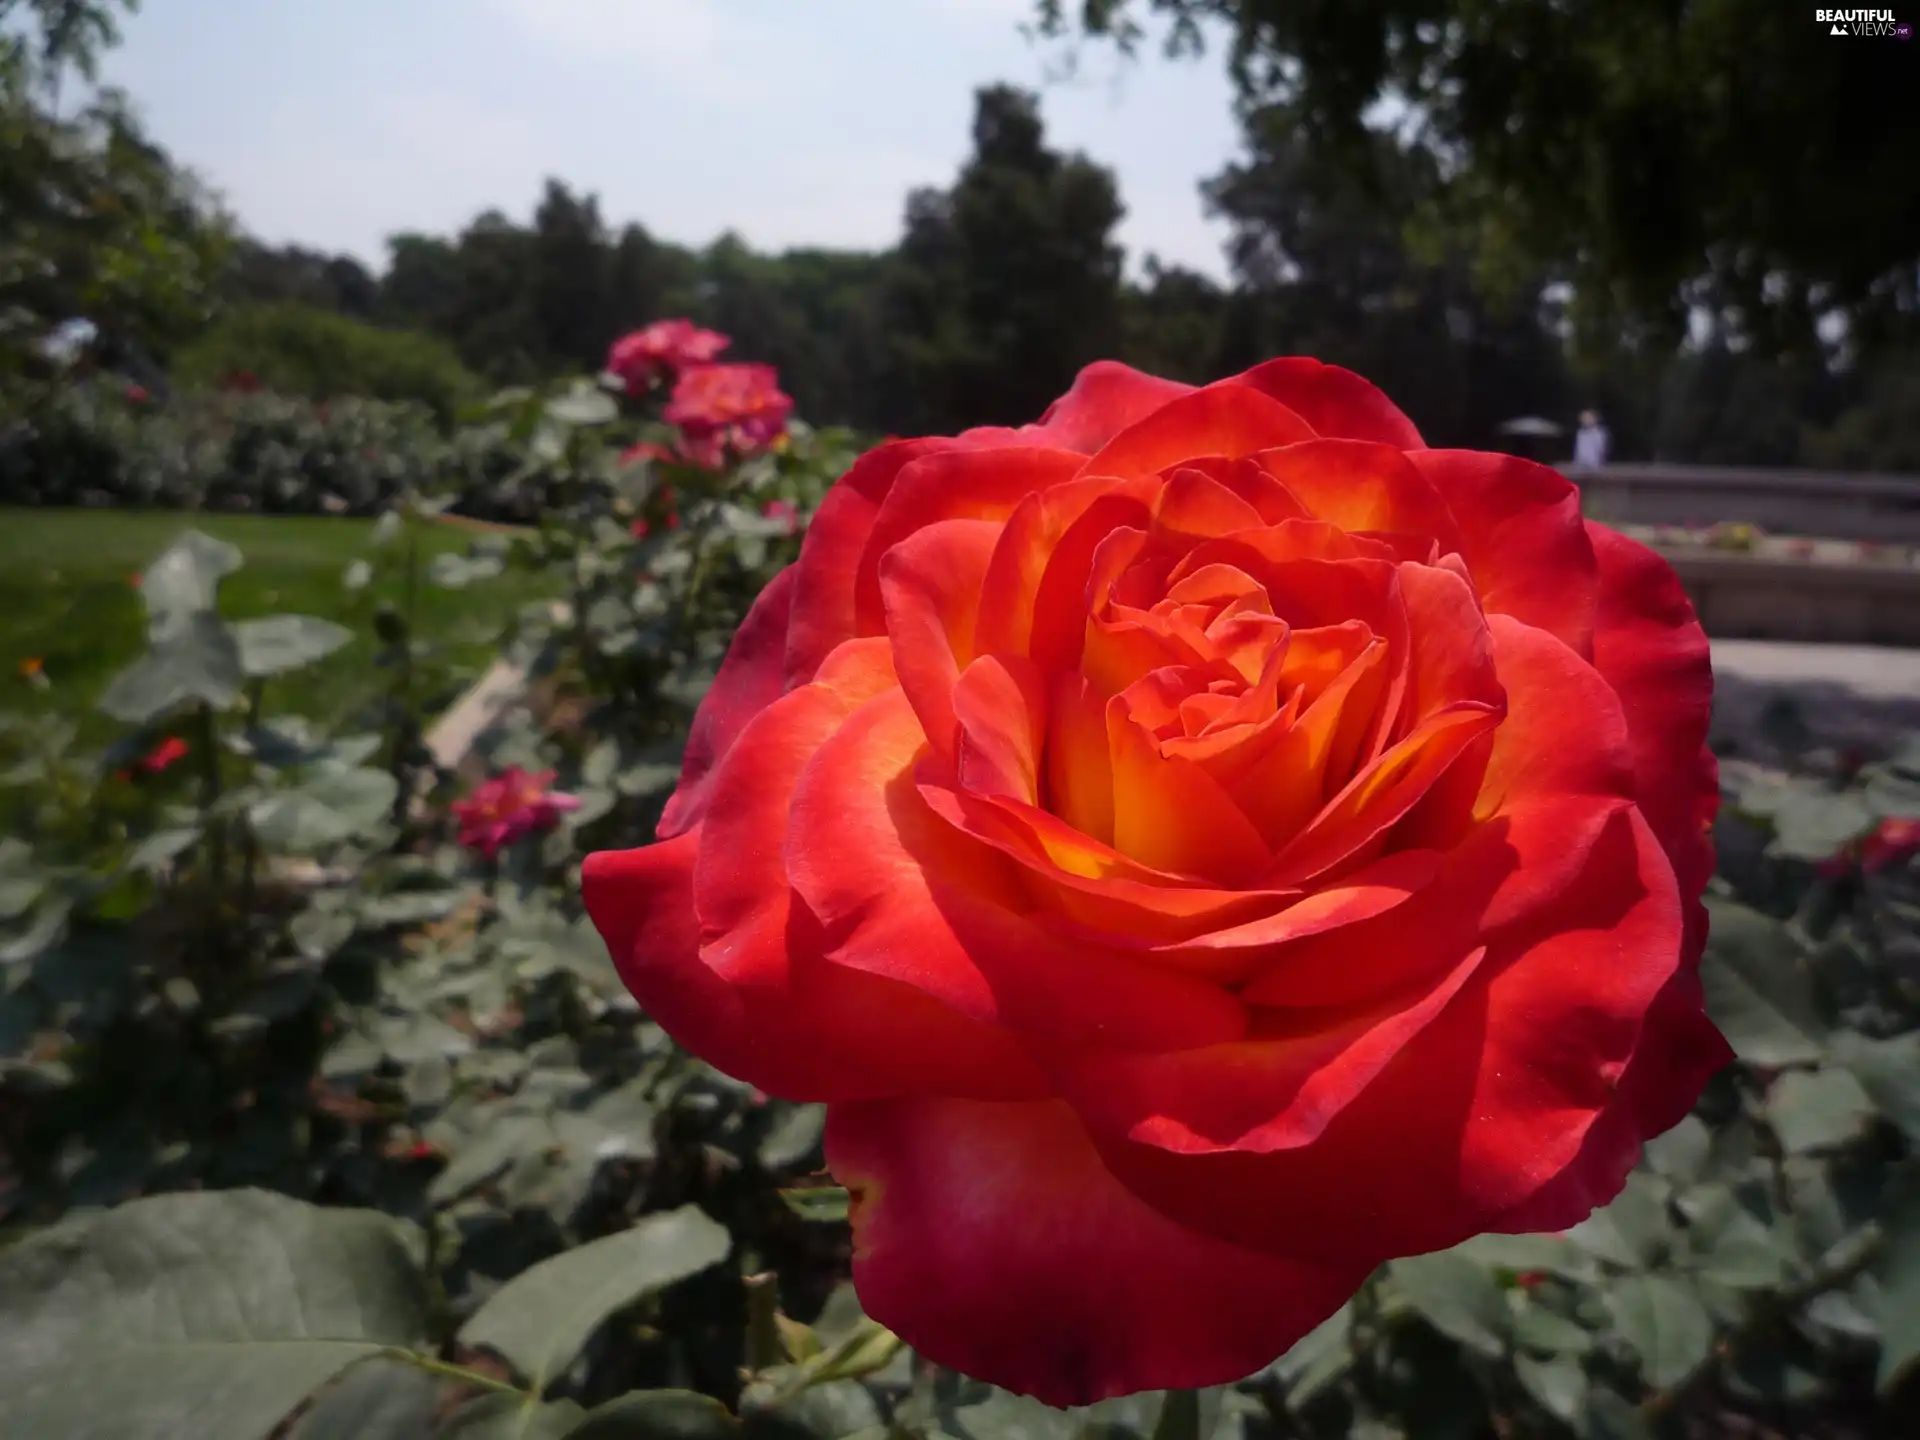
<point>1880,433</point>
<point>300,351</point>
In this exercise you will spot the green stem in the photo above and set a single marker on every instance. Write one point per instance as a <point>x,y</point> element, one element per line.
<point>456,1372</point>
<point>764,1350</point>
<point>249,842</point>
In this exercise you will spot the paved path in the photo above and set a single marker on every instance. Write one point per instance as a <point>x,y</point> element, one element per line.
<point>1860,695</point>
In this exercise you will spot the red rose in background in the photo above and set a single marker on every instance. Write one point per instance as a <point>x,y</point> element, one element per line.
<point>737,408</point>
<point>508,808</point>
<point>646,357</point>
<point>1889,843</point>
<point>1199,846</point>
<point>164,756</point>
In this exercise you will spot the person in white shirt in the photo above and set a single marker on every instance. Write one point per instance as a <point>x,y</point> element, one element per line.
<point>1590,442</point>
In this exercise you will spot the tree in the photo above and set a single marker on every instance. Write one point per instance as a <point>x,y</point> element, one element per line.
<point>1333,264</point>
<point>569,280</point>
<point>1008,283</point>
<point>96,223</point>
<point>1663,157</point>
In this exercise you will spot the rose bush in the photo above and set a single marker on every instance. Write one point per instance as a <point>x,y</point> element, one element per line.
<point>1200,846</point>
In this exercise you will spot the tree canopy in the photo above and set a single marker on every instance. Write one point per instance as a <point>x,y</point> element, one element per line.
<point>1666,158</point>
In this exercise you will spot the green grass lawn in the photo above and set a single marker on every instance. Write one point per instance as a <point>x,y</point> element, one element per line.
<point>67,600</point>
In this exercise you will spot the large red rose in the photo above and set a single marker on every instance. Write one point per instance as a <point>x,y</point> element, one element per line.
<point>1200,846</point>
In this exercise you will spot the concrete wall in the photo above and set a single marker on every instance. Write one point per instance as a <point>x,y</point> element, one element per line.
<point>1787,502</point>
<point>1746,597</point>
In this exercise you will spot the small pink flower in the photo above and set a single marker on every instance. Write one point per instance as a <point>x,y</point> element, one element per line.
<point>138,394</point>
<point>645,357</point>
<point>783,510</point>
<point>508,808</point>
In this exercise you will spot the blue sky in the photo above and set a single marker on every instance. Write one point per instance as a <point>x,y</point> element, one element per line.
<point>793,122</point>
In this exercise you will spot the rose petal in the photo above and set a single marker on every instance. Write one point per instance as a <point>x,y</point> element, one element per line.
<point>823,613</point>
<point>1271,1091</point>
<point>1226,420</point>
<point>1105,399</point>
<point>1170,814</point>
<point>1362,487</point>
<point>1028,541</point>
<point>749,680</point>
<point>1335,402</point>
<point>1650,648</point>
<point>704,933</point>
<point>1484,1107</point>
<point>931,584</point>
<point>1001,706</point>
<point>903,894</point>
<point>979,484</point>
<point>993,1238</point>
<point>1522,538</point>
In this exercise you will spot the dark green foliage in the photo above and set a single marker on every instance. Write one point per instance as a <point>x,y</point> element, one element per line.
<point>298,350</point>
<point>96,221</point>
<point>1006,284</point>
<point>1728,155</point>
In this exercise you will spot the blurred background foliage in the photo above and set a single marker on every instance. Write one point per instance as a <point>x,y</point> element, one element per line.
<point>1493,209</point>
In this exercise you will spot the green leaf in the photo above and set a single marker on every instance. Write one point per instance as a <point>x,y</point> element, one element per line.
<point>335,804</point>
<point>210,1315</point>
<point>1555,1254</point>
<point>1535,1327</point>
<point>585,404</point>
<point>198,661</point>
<point>1632,1230</point>
<point>1889,1072</point>
<point>378,1399</point>
<point>1665,1323</point>
<point>825,1204</point>
<point>658,1415</point>
<point>794,1138</point>
<point>1896,1270</point>
<point>1728,1244</point>
<point>184,579</point>
<point>1458,1296</point>
<point>1758,990</point>
<point>1318,1358</point>
<point>541,1318</point>
<point>1683,1152</point>
<point>276,644</point>
<point>1815,824</point>
<point>1817,1110</point>
<point>1609,1415</point>
<point>866,1347</point>
<point>155,851</point>
<point>1560,1385</point>
<point>511,1417</point>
